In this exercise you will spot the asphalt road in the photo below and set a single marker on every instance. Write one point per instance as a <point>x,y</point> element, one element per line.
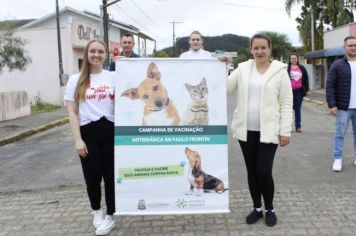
<point>48,159</point>
<point>43,160</point>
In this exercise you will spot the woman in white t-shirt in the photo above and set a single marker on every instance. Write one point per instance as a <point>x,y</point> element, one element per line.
<point>196,50</point>
<point>90,101</point>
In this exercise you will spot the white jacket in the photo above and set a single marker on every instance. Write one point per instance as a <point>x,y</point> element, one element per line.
<point>276,107</point>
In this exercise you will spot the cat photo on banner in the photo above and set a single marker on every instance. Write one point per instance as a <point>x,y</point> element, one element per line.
<point>197,112</point>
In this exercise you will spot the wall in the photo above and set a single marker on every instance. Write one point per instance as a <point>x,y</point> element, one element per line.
<point>14,104</point>
<point>335,37</point>
<point>41,77</point>
<point>308,67</point>
<point>353,29</point>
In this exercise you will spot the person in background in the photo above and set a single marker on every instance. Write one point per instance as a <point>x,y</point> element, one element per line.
<point>196,47</point>
<point>127,44</point>
<point>300,85</point>
<point>90,97</point>
<point>263,120</point>
<point>341,98</point>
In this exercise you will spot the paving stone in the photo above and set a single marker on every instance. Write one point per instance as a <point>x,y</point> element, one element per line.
<point>317,210</point>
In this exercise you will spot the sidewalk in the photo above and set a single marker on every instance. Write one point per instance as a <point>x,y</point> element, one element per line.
<point>66,211</point>
<point>16,129</point>
<point>317,96</point>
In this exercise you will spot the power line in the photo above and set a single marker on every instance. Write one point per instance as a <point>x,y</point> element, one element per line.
<point>147,16</point>
<point>131,19</point>
<point>249,6</point>
<point>140,17</point>
<point>144,23</point>
<point>132,11</point>
<point>123,12</point>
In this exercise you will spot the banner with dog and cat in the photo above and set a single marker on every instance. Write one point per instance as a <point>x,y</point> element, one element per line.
<point>171,154</point>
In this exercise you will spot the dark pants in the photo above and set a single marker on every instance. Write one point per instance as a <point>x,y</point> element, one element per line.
<point>259,162</point>
<point>99,163</point>
<point>297,104</point>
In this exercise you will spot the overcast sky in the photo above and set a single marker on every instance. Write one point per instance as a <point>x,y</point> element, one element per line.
<point>153,17</point>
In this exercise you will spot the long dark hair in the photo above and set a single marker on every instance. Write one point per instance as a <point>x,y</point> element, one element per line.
<point>293,54</point>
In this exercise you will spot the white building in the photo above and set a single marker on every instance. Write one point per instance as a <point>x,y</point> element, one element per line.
<point>41,78</point>
<point>321,60</point>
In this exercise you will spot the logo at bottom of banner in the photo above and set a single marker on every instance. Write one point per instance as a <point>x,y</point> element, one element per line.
<point>178,205</point>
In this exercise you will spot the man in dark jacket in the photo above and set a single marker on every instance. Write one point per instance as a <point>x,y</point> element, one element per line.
<point>341,98</point>
<point>127,44</point>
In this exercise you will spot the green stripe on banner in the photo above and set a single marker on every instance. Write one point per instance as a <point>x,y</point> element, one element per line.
<point>170,130</point>
<point>170,140</point>
<point>151,172</point>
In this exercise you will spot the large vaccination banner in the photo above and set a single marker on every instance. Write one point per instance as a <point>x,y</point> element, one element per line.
<point>171,154</point>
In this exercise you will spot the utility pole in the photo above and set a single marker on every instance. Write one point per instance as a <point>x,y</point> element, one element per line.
<point>312,29</point>
<point>174,37</point>
<point>60,63</point>
<point>106,30</point>
<point>104,18</point>
<point>312,46</point>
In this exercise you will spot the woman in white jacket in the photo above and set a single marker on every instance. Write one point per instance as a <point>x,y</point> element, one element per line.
<point>263,120</point>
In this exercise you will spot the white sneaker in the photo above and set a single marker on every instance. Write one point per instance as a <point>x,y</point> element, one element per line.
<point>355,162</point>
<point>106,226</point>
<point>337,166</point>
<point>98,218</point>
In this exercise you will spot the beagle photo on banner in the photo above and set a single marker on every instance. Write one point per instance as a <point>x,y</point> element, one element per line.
<point>171,154</point>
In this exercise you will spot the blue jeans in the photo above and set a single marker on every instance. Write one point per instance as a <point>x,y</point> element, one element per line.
<point>297,104</point>
<point>342,123</point>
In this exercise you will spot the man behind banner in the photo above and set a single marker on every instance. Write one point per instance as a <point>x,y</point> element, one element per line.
<point>127,44</point>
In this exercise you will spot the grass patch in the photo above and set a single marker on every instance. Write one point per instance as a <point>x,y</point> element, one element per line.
<point>40,106</point>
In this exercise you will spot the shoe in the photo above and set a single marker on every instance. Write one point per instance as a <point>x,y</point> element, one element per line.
<point>253,217</point>
<point>271,218</point>
<point>337,166</point>
<point>98,218</point>
<point>106,226</point>
<point>355,162</point>
<point>298,130</point>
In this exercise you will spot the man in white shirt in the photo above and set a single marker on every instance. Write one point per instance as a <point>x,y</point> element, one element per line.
<point>196,47</point>
<point>341,98</point>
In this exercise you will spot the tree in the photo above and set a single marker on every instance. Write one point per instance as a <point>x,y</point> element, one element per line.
<point>323,13</point>
<point>339,12</point>
<point>159,54</point>
<point>12,53</point>
<point>281,46</point>
<point>309,18</point>
<point>243,55</point>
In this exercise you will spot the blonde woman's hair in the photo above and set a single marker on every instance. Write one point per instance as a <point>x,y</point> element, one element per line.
<point>84,81</point>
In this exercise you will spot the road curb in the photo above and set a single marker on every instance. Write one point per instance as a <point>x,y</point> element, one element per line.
<point>318,102</point>
<point>26,133</point>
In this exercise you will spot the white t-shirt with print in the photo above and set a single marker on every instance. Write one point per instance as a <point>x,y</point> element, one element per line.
<point>200,54</point>
<point>352,104</point>
<point>99,99</point>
